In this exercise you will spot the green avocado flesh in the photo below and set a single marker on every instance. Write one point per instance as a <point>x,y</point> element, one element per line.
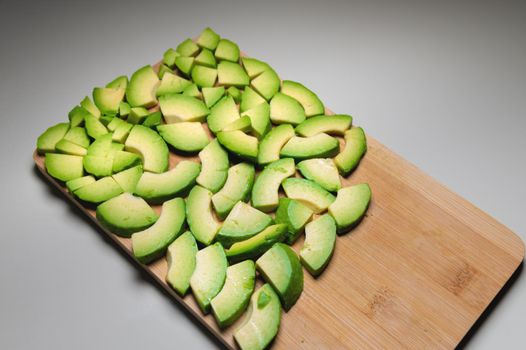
<point>293,214</point>
<point>199,216</point>
<point>214,160</point>
<point>317,146</point>
<point>172,84</point>
<point>269,150</point>
<point>77,183</point>
<point>64,167</point>
<point>227,50</point>
<point>231,74</point>
<point>254,67</point>
<point>181,262</point>
<point>255,246</point>
<point>265,195</point>
<point>212,94</point>
<point>323,171</point>
<point>141,90</point>
<point>223,113</point>
<point>335,124</point>
<point>250,99</point>
<point>180,108</point>
<point>47,141</point>
<point>259,119</point>
<point>286,110</point>
<point>128,179</point>
<point>99,191</point>
<point>206,58</point>
<point>108,100</point>
<point>266,84</point>
<point>320,237</point>
<point>240,144</point>
<point>237,188</point>
<point>350,206</point>
<point>184,136</point>
<point>309,193</point>
<point>355,147</point>
<point>152,148</point>
<point>208,39</point>
<point>308,99</point>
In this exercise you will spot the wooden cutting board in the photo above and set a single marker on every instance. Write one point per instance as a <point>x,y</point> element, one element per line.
<point>416,273</point>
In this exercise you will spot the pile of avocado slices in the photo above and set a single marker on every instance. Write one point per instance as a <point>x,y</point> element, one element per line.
<point>259,165</point>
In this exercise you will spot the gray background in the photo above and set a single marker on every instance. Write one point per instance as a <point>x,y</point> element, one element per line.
<point>443,83</point>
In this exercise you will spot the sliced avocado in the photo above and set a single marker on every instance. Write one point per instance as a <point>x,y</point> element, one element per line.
<point>206,58</point>
<point>237,188</point>
<point>121,82</point>
<point>242,222</point>
<point>94,127</point>
<point>115,123</point>
<point>309,193</point>
<point>68,147</point>
<point>208,39</point>
<point>98,166</point>
<point>88,105</point>
<point>355,147</point>
<point>181,262</point>
<point>280,266</point>
<point>350,206</point>
<point>121,133</point>
<point>156,188</point>
<point>128,179</point>
<point>214,161</point>
<point>76,116</point>
<point>153,119</point>
<point>259,119</point>
<point>123,160</point>
<point>64,167</point>
<point>255,246</point>
<point>187,48</point>
<point>320,237</point>
<point>223,113</point>
<point>209,275</point>
<point>254,67</point>
<point>266,84</point>
<point>192,91</point>
<point>212,94</point>
<point>233,299</point>
<point>180,108</point>
<point>184,136</point>
<point>240,144</point>
<point>106,119</point>
<point>137,115</point>
<point>227,50</point>
<point>150,146</point>
<point>285,109</point>
<point>243,124</point>
<point>99,191</point>
<point>262,321</point>
<point>108,100</point>
<point>199,215</point>
<point>151,244</point>
<point>231,74</point>
<point>308,99</point>
<point>335,124</point>
<point>79,182</point>
<point>317,146</point>
<point>184,64</point>
<point>295,215</point>
<point>163,69</point>
<point>265,192</point>
<point>273,142</point>
<point>124,109</point>
<point>172,84</point>
<point>101,147</point>
<point>141,91</point>
<point>322,171</point>
<point>78,136</point>
<point>169,57</point>
<point>250,99</point>
<point>235,93</point>
<point>204,76</point>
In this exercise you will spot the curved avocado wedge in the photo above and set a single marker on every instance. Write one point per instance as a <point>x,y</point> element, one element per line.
<point>240,144</point>
<point>150,146</point>
<point>123,160</point>
<point>237,188</point>
<point>181,262</point>
<point>107,99</point>
<point>128,179</point>
<point>214,161</point>
<point>208,39</point>
<point>231,74</point>
<point>64,167</point>
<point>151,244</point>
<point>209,275</point>
<point>243,124</point>
<point>177,181</point>
<point>212,95</point>
<point>265,192</point>
<point>172,84</point>
<point>254,67</point>
<point>77,183</point>
<point>355,147</point>
<point>181,108</point>
<point>309,193</point>
<point>233,299</point>
<point>350,206</point>
<point>271,145</point>
<point>99,191</point>
<point>308,99</point>
<point>250,99</point>
<point>323,171</point>
<point>49,138</point>
<point>78,136</point>
<point>259,119</point>
<point>184,136</point>
<point>227,50</point>
<point>266,84</point>
<point>223,113</point>
<point>295,215</point>
<point>284,109</point>
<point>320,238</point>
<point>317,146</point>
<point>255,246</point>
<point>204,76</point>
<point>199,215</point>
<point>336,124</point>
<point>125,214</point>
<point>262,320</point>
<point>281,267</point>
<point>141,90</point>
<point>121,82</point>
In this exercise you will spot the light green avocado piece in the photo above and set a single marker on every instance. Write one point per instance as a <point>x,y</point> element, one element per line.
<point>125,214</point>
<point>184,64</point>
<point>254,67</point>
<point>187,48</point>
<point>214,161</point>
<point>150,146</point>
<point>106,119</point>
<point>208,39</point>
<point>240,144</point>
<point>192,91</point>
<point>204,76</point>
<point>114,124</point>
<point>64,167</point>
<point>237,188</point>
<point>156,188</point>
<point>121,82</point>
<point>98,166</point>
<point>78,136</point>
<point>242,222</point>
<point>180,108</point>
<point>250,99</point>
<point>285,109</point>
<point>163,69</point>
<point>262,321</point>
<point>99,191</point>
<point>206,58</point>
<point>184,136</point>
<point>223,113</point>
<point>281,267</point>
<point>265,195</point>
<point>151,244</point>
<point>76,116</point>
<point>128,179</point>
<point>181,262</point>
<point>77,183</point>
<point>209,275</point>
<point>317,146</point>
<point>259,119</point>
<point>108,100</point>
<point>243,124</point>
<point>227,50</point>
<point>94,127</point>
<point>234,297</point>
<point>320,238</point>
<point>231,74</point>
<point>322,171</point>
<point>308,99</point>
<point>68,147</point>
<point>199,215</point>
<point>88,105</point>
<point>255,246</point>
<point>335,124</point>
<point>169,57</point>
<point>153,120</point>
<point>295,215</point>
<point>273,142</point>
<point>309,193</point>
<point>123,160</point>
<point>350,206</point>
<point>124,109</point>
<point>266,84</point>
<point>137,115</point>
<point>141,91</point>
<point>212,94</point>
<point>355,147</point>
<point>121,133</point>
<point>101,147</point>
<point>235,93</point>
<point>172,84</point>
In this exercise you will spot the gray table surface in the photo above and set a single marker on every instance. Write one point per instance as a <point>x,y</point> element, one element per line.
<point>442,83</point>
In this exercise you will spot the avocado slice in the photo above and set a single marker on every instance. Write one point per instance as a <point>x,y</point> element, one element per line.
<point>94,126</point>
<point>88,105</point>
<point>227,50</point>
<point>192,91</point>
<point>156,188</point>
<point>99,191</point>
<point>98,165</point>
<point>185,64</point>
<point>254,67</point>
<point>137,115</point>
<point>180,108</point>
<point>280,266</point>
<point>153,119</point>
<point>295,215</point>
<point>243,124</point>
<point>317,146</point>
<point>222,113</point>
<point>150,146</point>
<point>212,94</point>
<point>273,142</point>
<point>322,171</point>
<point>64,167</point>
<point>255,246</point>
<point>335,124</point>
<point>169,57</point>
<point>76,116</point>
<point>115,123</point>
<point>286,110</point>
<point>106,119</point>
<point>107,99</point>
<point>68,147</point>
<point>233,299</point>
<point>208,39</point>
<point>240,144</point>
<point>163,69</point>
<point>262,320</point>
<point>259,119</point>
<point>121,133</point>
<point>237,188</point>
<point>199,215</point>
<point>308,99</point>
<point>187,48</point>
<point>206,58</point>
<point>209,275</point>
<point>181,262</point>
<point>124,109</point>
<point>141,90</point>
<point>78,136</point>
<point>102,146</point>
<point>350,206</point>
<point>204,76</point>
<point>214,161</point>
<point>355,147</point>
<point>128,179</point>
<point>320,238</point>
<point>79,182</point>
<point>151,244</point>
<point>242,222</point>
<point>121,82</point>
<point>309,193</point>
<point>184,136</point>
<point>266,84</point>
<point>265,192</point>
<point>250,99</point>
<point>172,84</point>
<point>231,74</point>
